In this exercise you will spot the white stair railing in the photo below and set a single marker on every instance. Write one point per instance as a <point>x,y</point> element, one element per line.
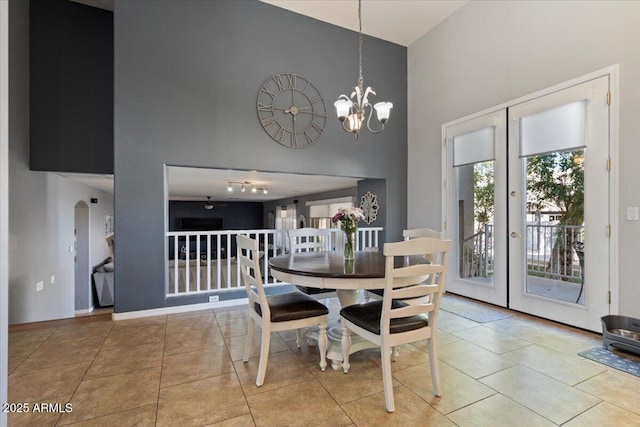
<point>202,262</point>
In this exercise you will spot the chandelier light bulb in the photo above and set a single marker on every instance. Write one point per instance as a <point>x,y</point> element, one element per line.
<point>230,188</point>
<point>352,110</point>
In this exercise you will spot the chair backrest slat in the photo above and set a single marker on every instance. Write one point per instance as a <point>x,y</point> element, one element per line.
<point>309,240</point>
<point>406,282</point>
<point>249,259</point>
<point>415,233</point>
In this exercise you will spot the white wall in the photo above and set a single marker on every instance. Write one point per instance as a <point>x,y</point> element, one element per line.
<point>491,52</point>
<point>41,232</point>
<point>41,207</point>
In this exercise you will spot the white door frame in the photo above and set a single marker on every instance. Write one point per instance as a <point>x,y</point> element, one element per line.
<point>613,73</point>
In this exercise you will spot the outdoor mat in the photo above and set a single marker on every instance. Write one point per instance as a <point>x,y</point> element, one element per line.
<point>472,310</point>
<point>618,360</point>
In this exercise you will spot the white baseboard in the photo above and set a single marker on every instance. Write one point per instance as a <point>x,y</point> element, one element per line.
<point>85,311</point>
<point>178,309</point>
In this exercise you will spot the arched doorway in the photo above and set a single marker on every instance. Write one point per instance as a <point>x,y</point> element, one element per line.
<point>82,273</point>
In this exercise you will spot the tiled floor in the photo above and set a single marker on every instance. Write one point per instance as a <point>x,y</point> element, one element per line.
<point>186,370</point>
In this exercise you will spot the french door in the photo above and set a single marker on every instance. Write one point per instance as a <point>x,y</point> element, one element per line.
<point>476,161</point>
<point>558,156</point>
<point>527,205</point>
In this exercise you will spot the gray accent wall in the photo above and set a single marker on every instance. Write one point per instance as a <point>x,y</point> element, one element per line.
<point>490,52</point>
<point>187,75</point>
<point>71,87</point>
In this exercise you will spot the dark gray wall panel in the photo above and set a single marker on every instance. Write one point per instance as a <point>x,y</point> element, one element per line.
<point>186,79</point>
<point>71,87</point>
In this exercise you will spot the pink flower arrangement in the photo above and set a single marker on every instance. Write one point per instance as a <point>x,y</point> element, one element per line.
<point>348,218</point>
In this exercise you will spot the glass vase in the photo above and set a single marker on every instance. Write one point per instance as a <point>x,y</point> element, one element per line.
<point>349,245</point>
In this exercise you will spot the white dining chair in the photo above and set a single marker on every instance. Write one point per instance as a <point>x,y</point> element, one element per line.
<point>311,240</point>
<point>273,313</point>
<point>391,321</point>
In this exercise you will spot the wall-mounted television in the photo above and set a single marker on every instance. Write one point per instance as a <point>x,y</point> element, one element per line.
<point>199,224</point>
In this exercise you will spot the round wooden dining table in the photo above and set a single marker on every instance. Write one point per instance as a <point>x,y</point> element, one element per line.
<point>329,270</point>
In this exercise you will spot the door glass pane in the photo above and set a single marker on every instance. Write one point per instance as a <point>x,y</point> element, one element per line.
<point>554,235</point>
<point>475,195</point>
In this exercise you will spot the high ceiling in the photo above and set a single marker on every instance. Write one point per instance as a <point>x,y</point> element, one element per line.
<point>398,21</point>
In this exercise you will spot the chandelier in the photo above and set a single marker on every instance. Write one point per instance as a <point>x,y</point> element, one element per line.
<point>352,110</point>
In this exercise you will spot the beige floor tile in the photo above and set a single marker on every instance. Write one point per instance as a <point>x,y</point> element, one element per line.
<point>144,321</point>
<point>22,346</point>
<point>184,367</point>
<point>32,385</point>
<point>44,331</point>
<point>515,326</point>
<point>135,335</point>
<point>88,330</point>
<point>227,313</point>
<point>458,389</point>
<point>70,352</point>
<point>197,339</point>
<point>473,360</point>
<point>410,411</point>
<point>120,360</point>
<point>560,366</point>
<point>108,395</point>
<point>237,343</point>
<point>283,368</point>
<point>303,404</point>
<point>497,411</point>
<point>138,417</point>
<point>364,379</point>
<point>234,327</point>
<point>562,341</point>
<point>14,363</point>
<point>605,414</point>
<point>492,340</point>
<point>191,322</point>
<point>408,356</point>
<point>615,387</point>
<point>552,399</point>
<point>201,402</point>
<point>450,323</point>
<point>241,421</point>
<point>39,415</point>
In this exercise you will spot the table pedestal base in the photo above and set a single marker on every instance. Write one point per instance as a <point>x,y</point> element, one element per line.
<point>347,297</point>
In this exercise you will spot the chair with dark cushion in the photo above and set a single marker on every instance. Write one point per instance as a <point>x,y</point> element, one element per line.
<point>274,313</point>
<point>392,321</point>
<point>411,233</point>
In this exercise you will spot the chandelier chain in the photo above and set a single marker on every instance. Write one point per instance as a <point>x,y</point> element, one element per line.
<point>360,78</point>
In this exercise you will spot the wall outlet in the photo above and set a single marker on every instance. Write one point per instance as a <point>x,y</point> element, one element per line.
<point>214,298</point>
<point>39,286</point>
<point>53,279</point>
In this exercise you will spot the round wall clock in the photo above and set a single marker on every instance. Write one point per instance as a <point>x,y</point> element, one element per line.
<point>291,110</point>
<point>370,207</point>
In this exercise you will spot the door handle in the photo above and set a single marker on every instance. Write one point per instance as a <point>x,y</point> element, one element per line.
<point>514,234</point>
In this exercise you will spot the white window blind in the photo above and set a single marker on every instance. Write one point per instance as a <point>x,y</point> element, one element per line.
<point>561,128</point>
<point>474,147</point>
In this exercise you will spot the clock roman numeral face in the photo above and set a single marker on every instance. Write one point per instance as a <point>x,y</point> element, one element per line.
<point>291,110</point>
